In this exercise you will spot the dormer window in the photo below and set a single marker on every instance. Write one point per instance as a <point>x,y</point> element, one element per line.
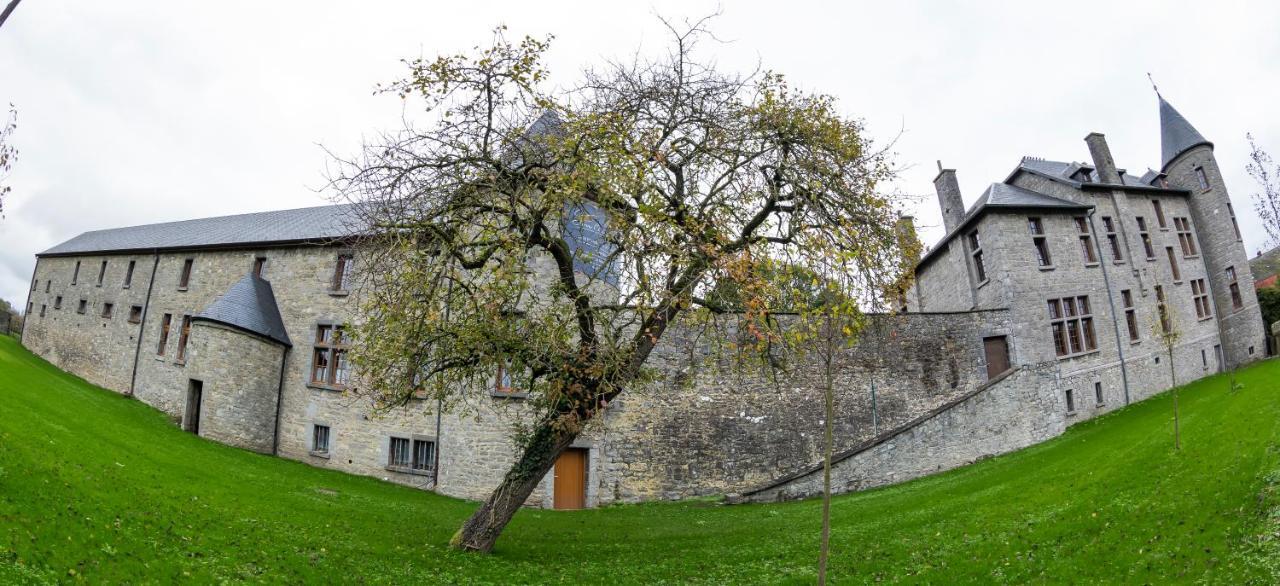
<point>1083,176</point>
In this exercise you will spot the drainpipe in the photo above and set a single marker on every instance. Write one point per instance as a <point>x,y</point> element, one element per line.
<point>1111,300</point>
<point>142,326</point>
<point>275,434</point>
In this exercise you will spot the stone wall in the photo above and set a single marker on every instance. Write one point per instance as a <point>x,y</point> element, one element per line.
<point>240,376</point>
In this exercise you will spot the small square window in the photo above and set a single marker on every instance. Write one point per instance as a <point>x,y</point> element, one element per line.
<point>106,309</point>
<point>135,314</point>
<point>83,307</point>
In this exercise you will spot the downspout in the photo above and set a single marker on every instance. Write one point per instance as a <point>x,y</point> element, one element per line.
<point>142,326</point>
<point>275,434</point>
<point>1111,300</point>
<point>22,336</point>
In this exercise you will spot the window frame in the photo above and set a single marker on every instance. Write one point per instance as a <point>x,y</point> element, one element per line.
<point>184,337</point>
<point>1144,234</point>
<point>1086,241</point>
<point>184,279</point>
<point>259,265</point>
<point>135,314</point>
<point>1158,208</point>
<point>315,448</point>
<point>1200,297</point>
<point>1176,270</point>
<point>83,307</point>
<point>1097,394</point>
<point>1113,239</point>
<point>128,274</point>
<point>108,310</point>
<point>1069,395</point>
<point>1202,178</point>
<point>331,351</point>
<point>1233,285</point>
<point>102,274</point>
<point>1040,242</point>
<point>1130,316</point>
<point>165,324</point>
<point>75,275</point>
<point>1072,327</point>
<point>974,242</point>
<point>343,267</point>
<point>412,454</point>
<point>57,302</point>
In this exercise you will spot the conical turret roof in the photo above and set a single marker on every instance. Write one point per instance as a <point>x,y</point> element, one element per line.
<point>1176,134</point>
<point>249,305</point>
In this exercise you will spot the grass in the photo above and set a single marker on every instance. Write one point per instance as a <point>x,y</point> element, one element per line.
<point>95,487</point>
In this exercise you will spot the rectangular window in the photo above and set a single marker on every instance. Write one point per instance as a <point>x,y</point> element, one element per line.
<point>164,333</point>
<point>102,273</point>
<point>258,264</point>
<point>423,454</point>
<point>75,276</point>
<point>42,308</point>
<point>1112,239</point>
<point>107,309</point>
<point>185,280</point>
<point>320,439</point>
<point>399,455</point>
<point>1159,210</point>
<point>1038,240</point>
<point>47,285</point>
<point>329,357</point>
<point>1146,238</point>
<point>1097,393</point>
<point>183,335</point>
<point>1234,224</point>
<point>1204,358</point>
<point>135,314</point>
<point>1130,315</point>
<point>1071,401</point>
<point>1071,321</point>
<point>1173,265</point>
<point>1185,239</point>
<point>128,274</point>
<point>57,302</point>
<point>83,307</point>
<point>1236,301</point>
<point>342,272</point>
<point>1202,178</point>
<point>1086,241</point>
<point>975,246</point>
<point>1165,325</point>
<point>1200,295</point>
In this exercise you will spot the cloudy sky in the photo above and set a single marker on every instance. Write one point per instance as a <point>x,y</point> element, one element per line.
<point>138,112</point>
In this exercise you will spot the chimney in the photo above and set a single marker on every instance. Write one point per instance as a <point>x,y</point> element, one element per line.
<point>1102,160</point>
<point>949,198</point>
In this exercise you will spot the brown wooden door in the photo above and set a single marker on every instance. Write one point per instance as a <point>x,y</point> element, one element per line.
<point>997,349</point>
<point>570,489</point>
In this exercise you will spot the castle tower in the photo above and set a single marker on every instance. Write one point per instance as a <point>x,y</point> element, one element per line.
<point>1187,159</point>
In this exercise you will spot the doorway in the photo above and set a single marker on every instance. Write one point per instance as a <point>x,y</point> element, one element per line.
<point>569,490</point>
<point>996,349</point>
<point>195,398</point>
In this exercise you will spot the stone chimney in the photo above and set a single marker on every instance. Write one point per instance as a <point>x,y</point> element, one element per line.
<point>1102,160</point>
<point>949,198</point>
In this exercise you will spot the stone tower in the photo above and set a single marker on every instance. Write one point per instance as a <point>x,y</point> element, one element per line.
<point>1188,162</point>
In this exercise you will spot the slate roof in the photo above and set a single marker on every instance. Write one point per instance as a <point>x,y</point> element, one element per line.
<point>1176,134</point>
<point>297,225</point>
<point>249,305</point>
<point>1065,172</point>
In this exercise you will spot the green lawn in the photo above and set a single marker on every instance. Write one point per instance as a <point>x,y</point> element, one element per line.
<point>100,488</point>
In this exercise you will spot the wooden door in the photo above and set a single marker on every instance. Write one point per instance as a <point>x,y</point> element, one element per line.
<point>195,399</point>
<point>997,350</point>
<point>570,488</point>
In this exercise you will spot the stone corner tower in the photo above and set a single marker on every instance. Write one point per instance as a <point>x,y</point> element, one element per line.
<point>1187,159</point>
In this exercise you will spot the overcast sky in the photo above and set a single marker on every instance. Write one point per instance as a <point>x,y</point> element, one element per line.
<point>138,112</point>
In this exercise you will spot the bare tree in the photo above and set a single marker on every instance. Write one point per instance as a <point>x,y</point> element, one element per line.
<point>1166,330</point>
<point>653,183</point>
<point>1266,201</point>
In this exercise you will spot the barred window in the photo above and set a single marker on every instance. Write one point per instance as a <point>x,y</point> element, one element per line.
<point>975,247</point>
<point>1071,320</point>
<point>423,454</point>
<point>329,364</point>
<point>1112,238</point>
<point>1039,241</point>
<point>1185,239</point>
<point>320,439</point>
<point>1200,295</point>
<point>1086,241</point>
<point>399,455</point>
<point>1130,315</point>
<point>1145,235</point>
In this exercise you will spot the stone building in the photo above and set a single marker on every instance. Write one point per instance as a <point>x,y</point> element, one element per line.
<point>1039,308</point>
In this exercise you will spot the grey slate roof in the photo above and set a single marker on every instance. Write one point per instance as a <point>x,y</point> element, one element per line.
<point>1176,134</point>
<point>1065,172</point>
<point>304,224</point>
<point>249,305</point>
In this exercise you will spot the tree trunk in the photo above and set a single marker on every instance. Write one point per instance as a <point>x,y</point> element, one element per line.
<point>826,477</point>
<point>1177,434</point>
<point>550,438</point>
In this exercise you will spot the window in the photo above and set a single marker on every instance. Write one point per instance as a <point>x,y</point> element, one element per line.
<point>1112,239</point>
<point>258,264</point>
<point>1097,393</point>
<point>107,309</point>
<point>1155,205</point>
<point>57,302</point>
<point>1146,238</point>
<point>342,272</point>
<point>164,333</point>
<point>1165,325</point>
<point>1236,301</point>
<point>75,276</point>
<point>975,247</point>
<point>1204,358</point>
<point>48,284</point>
<point>1036,227</point>
<point>1130,315</point>
<point>183,336</point>
<point>83,307</point>
<point>1202,178</point>
<point>320,439</point>
<point>329,360</point>
<point>128,274</point>
<point>102,273</point>
<point>1231,211</point>
<point>423,454</point>
<point>1071,401</point>
<point>42,308</point>
<point>399,456</point>
<point>185,280</point>
<point>1185,239</point>
<point>1071,320</point>
<point>1173,265</point>
<point>1200,294</point>
<point>1086,241</point>
<point>135,314</point>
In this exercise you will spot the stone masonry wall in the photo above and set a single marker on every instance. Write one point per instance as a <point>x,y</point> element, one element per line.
<point>240,375</point>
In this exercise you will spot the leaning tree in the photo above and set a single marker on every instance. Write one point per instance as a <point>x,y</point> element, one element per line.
<point>558,234</point>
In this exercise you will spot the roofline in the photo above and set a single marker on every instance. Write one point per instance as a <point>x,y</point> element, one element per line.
<point>243,330</point>
<point>1184,151</point>
<point>982,211</point>
<point>1092,186</point>
<point>329,241</point>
